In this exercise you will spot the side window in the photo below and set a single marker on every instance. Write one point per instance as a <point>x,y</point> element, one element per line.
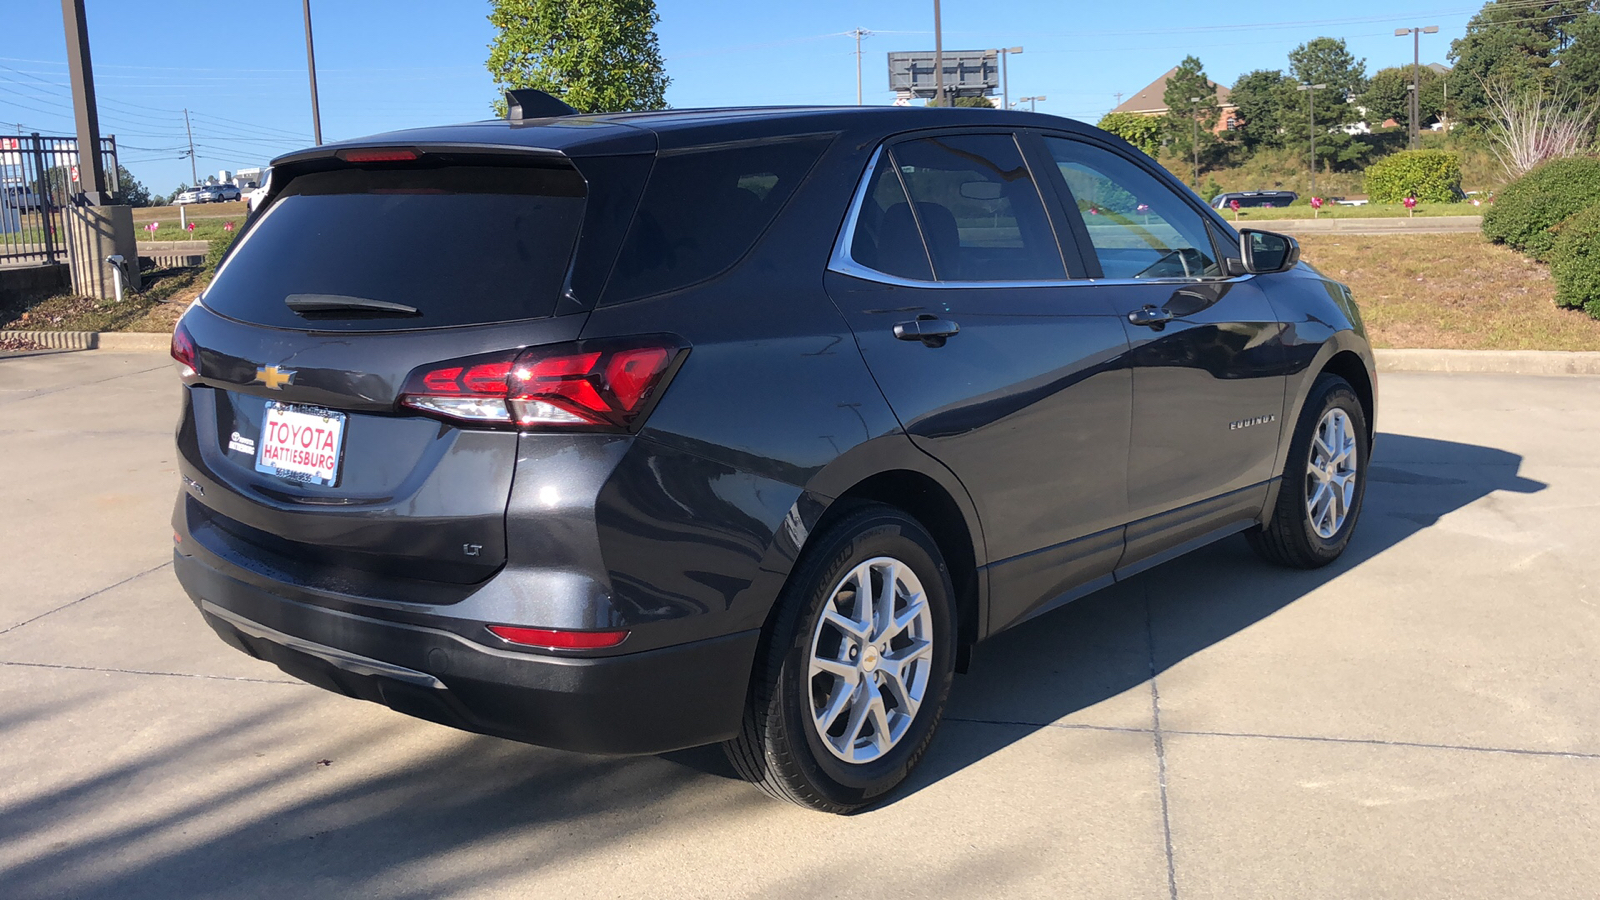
<point>702,210</point>
<point>1140,228</point>
<point>886,237</point>
<point>978,209</point>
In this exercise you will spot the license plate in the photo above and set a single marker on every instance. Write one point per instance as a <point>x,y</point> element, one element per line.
<point>301,443</point>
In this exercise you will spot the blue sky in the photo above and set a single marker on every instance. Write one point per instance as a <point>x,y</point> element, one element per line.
<point>240,67</point>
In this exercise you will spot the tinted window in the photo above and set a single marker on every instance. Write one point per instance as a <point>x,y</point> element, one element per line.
<point>703,209</point>
<point>463,245</point>
<point>886,237</point>
<point>1140,228</point>
<point>979,210</point>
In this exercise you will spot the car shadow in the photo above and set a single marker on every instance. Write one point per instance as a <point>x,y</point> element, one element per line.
<point>1115,641</point>
<point>247,803</point>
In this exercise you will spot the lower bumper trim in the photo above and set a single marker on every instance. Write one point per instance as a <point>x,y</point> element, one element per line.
<point>342,659</point>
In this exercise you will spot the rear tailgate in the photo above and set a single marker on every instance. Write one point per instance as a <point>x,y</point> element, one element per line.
<point>301,461</point>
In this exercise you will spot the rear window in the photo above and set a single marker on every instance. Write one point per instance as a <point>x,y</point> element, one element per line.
<point>703,209</point>
<point>462,245</point>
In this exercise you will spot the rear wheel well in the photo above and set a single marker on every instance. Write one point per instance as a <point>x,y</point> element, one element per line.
<point>930,504</point>
<point>1348,365</point>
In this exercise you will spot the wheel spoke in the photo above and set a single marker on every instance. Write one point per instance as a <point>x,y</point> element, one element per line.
<point>883,604</point>
<point>844,623</point>
<point>879,714</point>
<point>836,705</point>
<point>915,607</point>
<point>844,671</point>
<point>860,706</point>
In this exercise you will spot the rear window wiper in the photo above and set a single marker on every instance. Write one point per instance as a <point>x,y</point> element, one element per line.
<point>340,303</point>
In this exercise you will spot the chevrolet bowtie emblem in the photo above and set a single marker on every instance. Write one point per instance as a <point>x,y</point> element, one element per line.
<point>274,378</point>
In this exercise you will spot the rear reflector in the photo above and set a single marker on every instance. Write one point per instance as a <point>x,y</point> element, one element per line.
<point>559,640</point>
<point>607,385</point>
<point>386,154</point>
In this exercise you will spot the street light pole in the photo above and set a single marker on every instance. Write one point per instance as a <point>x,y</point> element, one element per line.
<point>1416,77</point>
<point>938,57</point>
<point>1005,82</point>
<point>311,67</point>
<point>1311,111</point>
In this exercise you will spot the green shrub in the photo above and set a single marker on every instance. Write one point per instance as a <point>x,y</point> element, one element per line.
<point>1431,176</point>
<point>1524,210</point>
<point>1575,261</point>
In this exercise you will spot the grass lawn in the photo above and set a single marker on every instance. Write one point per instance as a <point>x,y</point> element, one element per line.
<point>1450,291</point>
<point>156,309</point>
<point>208,219</point>
<point>1370,211</point>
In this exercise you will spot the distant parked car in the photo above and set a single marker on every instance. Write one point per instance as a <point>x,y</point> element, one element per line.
<point>201,193</point>
<point>21,197</point>
<point>1254,199</point>
<point>254,198</point>
<point>227,192</point>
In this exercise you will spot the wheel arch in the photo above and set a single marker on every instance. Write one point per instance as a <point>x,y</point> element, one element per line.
<point>1347,355</point>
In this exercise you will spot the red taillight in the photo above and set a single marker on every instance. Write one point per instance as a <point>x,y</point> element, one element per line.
<point>558,640</point>
<point>592,386</point>
<point>183,351</point>
<point>385,154</point>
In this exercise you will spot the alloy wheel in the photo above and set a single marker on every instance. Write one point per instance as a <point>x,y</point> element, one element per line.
<point>871,660</point>
<point>1331,473</point>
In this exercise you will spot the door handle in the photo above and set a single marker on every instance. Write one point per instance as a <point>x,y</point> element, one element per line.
<point>930,330</point>
<point>1155,317</point>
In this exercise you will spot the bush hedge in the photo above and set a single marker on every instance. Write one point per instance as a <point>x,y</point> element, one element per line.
<point>1524,211</point>
<point>218,247</point>
<point>1575,261</point>
<point>1431,176</point>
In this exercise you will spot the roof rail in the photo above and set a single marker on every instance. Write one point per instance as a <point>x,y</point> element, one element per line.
<point>529,103</point>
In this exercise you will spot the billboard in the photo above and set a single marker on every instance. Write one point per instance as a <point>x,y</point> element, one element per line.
<point>967,73</point>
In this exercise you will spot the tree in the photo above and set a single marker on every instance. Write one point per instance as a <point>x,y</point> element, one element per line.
<point>1264,97</point>
<point>597,55</point>
<point>968,102</point>
<point>134,193</point>
<point>1511,43</point>
<point>1186,83</point>
<point>1388,96</point>
<point>1580,61</point>
<point>1326,60</point>
<point>1143,132</point>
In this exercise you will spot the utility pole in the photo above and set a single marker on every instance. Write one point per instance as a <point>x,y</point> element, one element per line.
<point>938,56</point>
<point>1118,95</point>
<point>1005,81</point>
<point>1416,78</point>
<point>311,66</point>
<point>1311,109</point>
<point>91,168</point>
<point>194,172</point>
<point>1195,114</point>
<point>859,33</point>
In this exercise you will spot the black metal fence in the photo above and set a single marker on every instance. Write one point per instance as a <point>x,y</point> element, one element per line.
<point>39,178</point>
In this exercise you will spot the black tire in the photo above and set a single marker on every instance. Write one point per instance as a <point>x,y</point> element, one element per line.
<point>1289,538</point>
<point>778,748</point>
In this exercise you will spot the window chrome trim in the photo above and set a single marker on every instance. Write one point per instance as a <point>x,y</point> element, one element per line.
<point>843,263</point>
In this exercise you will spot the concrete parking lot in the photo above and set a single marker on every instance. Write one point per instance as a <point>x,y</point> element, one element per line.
<point>1419,720</point>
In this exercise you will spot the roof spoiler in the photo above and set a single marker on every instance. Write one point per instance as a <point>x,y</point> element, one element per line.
<point>528,103</point>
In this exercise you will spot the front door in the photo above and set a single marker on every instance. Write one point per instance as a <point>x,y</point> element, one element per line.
<point>953,280</point>
<point>1206,349</point>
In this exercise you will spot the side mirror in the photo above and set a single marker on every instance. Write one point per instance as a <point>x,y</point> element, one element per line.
<point>1265,252</point>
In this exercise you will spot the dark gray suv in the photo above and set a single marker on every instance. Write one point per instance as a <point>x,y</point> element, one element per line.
<point>634,432</point>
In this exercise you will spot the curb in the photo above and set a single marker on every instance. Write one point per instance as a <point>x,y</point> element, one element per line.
<point>132,341</point>
<point>1503,362</point>
<point>56,340</point>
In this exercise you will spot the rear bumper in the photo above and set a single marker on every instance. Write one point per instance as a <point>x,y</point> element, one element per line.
<point>649,702</point>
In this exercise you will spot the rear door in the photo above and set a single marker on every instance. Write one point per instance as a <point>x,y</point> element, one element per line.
<point>1206,349</point>
<point>953,279</point>
<point>297,450</point>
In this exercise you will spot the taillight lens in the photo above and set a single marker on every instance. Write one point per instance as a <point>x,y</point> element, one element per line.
<point>588,386</point>
<point>557,639</point>
<point>183,351</point>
